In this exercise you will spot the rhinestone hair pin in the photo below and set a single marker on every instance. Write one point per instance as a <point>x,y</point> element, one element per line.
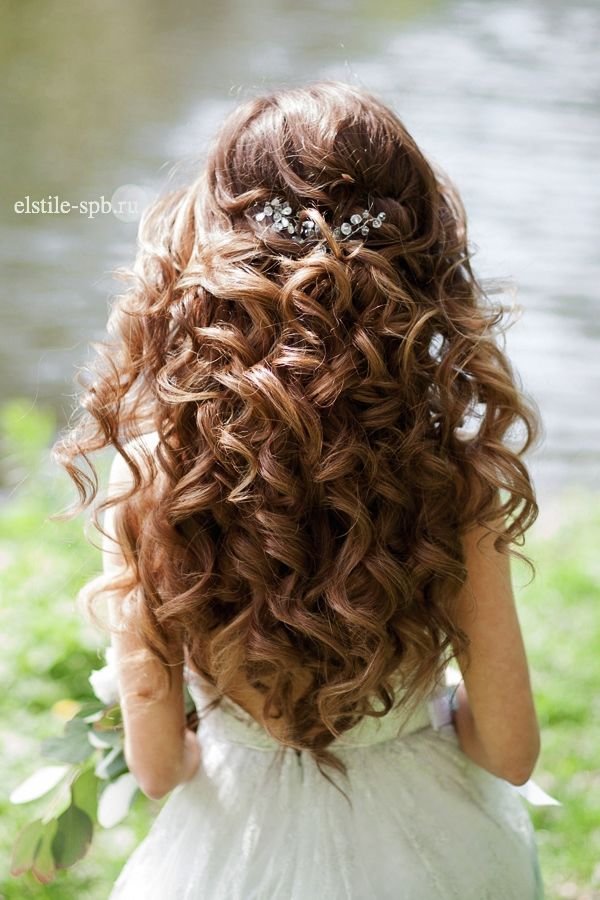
<point>280,216</point>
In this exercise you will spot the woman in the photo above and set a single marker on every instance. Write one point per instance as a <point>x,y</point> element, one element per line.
<point>311,511</point>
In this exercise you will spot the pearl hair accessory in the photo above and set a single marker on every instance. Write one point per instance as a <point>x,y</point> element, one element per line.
<point>280,216</point>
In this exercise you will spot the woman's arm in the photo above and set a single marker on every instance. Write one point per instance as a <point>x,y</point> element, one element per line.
<point>495,720</point>
<point>160,751</point>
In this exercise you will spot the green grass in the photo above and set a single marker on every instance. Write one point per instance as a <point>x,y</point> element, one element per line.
<point>48,650</point>
<point>560,617</point>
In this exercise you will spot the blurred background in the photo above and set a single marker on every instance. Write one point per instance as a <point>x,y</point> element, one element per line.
<point>503,95</point>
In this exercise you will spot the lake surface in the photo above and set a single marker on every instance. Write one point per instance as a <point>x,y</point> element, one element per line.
<point>504,96</point>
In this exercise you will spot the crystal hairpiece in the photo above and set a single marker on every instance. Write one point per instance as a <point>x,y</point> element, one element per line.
<point>280,216</point>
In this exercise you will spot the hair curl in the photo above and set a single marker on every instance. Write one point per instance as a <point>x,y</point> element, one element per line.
<point>316,460</point>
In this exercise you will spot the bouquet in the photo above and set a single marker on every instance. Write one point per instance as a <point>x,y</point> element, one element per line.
<point>86,783</point>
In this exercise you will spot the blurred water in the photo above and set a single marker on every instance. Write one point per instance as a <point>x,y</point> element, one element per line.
<point>503,95</point>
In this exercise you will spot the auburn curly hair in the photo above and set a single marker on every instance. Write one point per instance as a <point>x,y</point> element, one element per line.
<point>331,416</point>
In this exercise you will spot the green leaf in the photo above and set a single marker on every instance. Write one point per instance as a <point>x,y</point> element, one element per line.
<point>60,798</point>
<point>84,791</point>
<point>105,740</point>
<point>43,865</point>
<point>106,737</point>
<point>25,847</point>
<point>38,784</point>
<point>112,718</point>
<point>73,837</point>
<point>112,765</point>
<point>73,747</point>
<point>91,711</point>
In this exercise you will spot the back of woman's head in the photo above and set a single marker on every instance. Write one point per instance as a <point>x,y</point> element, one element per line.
<point>332,413</point>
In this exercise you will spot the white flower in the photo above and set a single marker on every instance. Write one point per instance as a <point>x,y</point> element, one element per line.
<point>104,681</point>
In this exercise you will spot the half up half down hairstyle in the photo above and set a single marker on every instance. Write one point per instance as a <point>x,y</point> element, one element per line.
<point>331,417</point>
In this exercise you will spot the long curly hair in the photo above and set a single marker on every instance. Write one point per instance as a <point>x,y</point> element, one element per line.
<point>331,416</point>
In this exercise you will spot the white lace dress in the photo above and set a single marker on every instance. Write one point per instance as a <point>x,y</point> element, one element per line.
<point>426,823</point>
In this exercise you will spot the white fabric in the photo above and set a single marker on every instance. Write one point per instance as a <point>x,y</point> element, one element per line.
<point>426,822</point>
